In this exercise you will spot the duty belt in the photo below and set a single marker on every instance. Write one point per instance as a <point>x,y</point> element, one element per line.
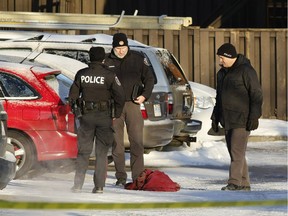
<point>95,106</point>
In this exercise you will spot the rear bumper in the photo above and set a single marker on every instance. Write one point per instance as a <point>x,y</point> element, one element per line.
<point>187,127</point>
<point>192,127</point>
<point>185,131</point>
<point>155,134</point>
<point>7,169</point>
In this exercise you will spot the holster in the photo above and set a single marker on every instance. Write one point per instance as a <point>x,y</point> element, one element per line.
<point>76,108</point>
<point>90,106</point>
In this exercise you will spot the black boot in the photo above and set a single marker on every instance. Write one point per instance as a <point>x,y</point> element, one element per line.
<point>97,190</point>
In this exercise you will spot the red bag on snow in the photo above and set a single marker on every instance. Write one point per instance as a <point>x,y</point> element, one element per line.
<point>153,181</point>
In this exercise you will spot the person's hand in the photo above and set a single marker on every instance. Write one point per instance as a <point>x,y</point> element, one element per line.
<point>252,124</point>
<point>215,126</point>
<point>140,99</point>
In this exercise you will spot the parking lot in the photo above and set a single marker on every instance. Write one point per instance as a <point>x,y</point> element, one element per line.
<point>200,178</point>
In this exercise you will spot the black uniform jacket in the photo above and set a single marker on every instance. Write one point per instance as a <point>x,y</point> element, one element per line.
<point>96,83</point>
<point>131,70</point>
<point>239,95</point>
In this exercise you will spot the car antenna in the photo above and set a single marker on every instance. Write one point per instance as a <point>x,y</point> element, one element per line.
<point>34,51</point>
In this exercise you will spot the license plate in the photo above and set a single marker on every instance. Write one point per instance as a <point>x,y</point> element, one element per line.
<point>157,110</point>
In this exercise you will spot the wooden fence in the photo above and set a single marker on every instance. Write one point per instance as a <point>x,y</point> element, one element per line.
<point>195,48</point>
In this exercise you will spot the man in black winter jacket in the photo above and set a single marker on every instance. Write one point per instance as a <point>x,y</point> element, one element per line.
<point>238,109</point>
<point>93,90</point>
<point>132,69</point>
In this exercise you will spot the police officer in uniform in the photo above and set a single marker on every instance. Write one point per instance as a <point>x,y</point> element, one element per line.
<point>133,70</point>
<point>93,90</point>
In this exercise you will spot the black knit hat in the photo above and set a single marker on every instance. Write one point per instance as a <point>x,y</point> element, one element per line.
<point>97,54</point>
<point>227,50</point>
<point>119,39</point>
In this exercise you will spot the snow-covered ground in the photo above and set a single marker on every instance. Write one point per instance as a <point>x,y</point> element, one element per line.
<point>201,170</point>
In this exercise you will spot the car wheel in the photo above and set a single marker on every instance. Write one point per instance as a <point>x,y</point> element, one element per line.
<point>24,152</point>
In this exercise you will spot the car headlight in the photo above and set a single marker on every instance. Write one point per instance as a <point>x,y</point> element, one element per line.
<point>204,102</point>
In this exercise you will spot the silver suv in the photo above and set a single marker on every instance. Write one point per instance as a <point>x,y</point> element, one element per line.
<point>167,113</point>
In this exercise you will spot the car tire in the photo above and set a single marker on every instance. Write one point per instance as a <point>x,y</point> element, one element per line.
<point>24,152</point>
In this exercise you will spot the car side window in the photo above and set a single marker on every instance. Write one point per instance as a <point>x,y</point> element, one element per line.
<point>13,86</point>
<point>67,53</point>
<point>79,55</point>
<point>83,57</point>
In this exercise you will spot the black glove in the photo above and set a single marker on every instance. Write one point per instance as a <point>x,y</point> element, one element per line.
<point>252,124</point>
<point>215,126</point>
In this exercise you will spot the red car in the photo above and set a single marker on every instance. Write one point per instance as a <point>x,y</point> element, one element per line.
<point>40,122</point>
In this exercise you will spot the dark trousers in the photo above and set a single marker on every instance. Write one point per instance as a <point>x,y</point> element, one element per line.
<point>94,126</point>
<point>236,140</point>
<point>133,120</point>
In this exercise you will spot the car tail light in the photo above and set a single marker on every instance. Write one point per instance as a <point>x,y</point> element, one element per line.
<point>143,111</point>
<point>59,113</point>
<point>169,103</point>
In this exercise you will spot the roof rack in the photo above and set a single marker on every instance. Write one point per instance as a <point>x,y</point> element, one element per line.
<point>65,21</point>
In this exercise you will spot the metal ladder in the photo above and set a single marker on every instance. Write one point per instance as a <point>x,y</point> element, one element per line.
<point>66,21</point>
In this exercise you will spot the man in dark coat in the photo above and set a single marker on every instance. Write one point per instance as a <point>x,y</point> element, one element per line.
<point>132,69</point>
<point>238,109</point>
<point>93,90</point>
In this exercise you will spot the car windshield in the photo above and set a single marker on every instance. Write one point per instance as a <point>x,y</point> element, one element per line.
<point>172,69</point>
<point>60,84</point>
